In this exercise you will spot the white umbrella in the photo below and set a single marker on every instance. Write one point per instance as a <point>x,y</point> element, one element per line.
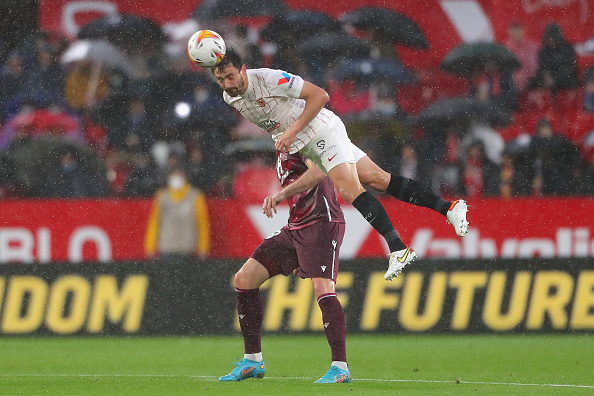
<point>98,52</point>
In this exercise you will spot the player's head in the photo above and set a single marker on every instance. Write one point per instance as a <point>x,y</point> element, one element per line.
<point>231,73</point>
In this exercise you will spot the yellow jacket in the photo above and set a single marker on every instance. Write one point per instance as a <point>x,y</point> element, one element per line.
<point>201,216</point>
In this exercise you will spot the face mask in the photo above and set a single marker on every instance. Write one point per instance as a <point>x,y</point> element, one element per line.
<point>176,182</point>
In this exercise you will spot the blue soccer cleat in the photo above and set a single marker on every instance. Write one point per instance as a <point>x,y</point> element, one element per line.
<point>335,375</point>
<point>245,369</point>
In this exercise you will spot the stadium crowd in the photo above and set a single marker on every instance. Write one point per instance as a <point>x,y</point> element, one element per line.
<point>93,127</point>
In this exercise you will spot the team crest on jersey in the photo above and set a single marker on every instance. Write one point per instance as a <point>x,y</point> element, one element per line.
<point>261,102</point>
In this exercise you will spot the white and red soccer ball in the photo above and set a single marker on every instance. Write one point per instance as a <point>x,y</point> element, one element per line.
<point>206,48</point>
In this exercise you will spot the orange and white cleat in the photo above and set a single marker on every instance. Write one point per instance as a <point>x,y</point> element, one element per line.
<point>457,217</point>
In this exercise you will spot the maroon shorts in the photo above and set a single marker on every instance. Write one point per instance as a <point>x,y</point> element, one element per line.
<point>312,251</point>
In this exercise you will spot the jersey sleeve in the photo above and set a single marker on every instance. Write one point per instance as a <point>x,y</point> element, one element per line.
<point>281,83</point>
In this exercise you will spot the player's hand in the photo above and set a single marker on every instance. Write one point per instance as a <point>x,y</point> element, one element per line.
<point>283,143</point>
<point>269,206</point>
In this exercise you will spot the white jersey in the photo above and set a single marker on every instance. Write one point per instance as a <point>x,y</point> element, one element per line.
<point>272,102</point>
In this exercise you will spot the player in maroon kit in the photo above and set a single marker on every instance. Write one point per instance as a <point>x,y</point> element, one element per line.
<point>309,246</point>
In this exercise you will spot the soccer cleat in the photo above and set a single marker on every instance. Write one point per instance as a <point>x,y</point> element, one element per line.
<point>245,369</point>
<point>457,217</point>
<point>335,375</point>
<point>398,260</point>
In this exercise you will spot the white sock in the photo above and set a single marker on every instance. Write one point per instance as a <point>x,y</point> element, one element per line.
<point>340,365</point>
<point>256,357</point>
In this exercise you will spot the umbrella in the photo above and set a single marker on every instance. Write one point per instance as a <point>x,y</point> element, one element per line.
<point>389,24</point>
<point>301,22</point>
<point>98,52</point>
<point>470,58</point>
<point>332,45</point>
<point>373,69</point>
<point>216,9</point>
<point>463,110</point>
<point>128,31</point>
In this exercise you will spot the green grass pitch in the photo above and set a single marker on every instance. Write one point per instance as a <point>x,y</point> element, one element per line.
<point>380,365</point>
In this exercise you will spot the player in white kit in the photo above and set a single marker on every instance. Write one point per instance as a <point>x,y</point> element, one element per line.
<point>292,110</point>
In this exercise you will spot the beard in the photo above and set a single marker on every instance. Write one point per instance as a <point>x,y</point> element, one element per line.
<point>234,91</point>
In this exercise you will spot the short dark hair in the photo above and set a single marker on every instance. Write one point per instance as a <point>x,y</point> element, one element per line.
<point>231,58</point>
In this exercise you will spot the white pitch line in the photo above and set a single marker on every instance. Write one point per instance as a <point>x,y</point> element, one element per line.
<point>307,378</point>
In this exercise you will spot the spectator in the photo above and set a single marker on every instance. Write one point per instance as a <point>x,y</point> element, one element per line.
<point>47,77</point>
<point>480,175</point>
<point>589,90</point>
<point>178,227</point>
<point>12,80</point>
<point>495,86</point>
<point>525,50</point>
<point>409,163</point>
<point>197,175</point>
<point>506,186</point>
<point>133,131</point>
<point>491,140</point>
<point>73,179</point>
<point>557,62</point>
<point>142,180</point>
<point>555,162</point>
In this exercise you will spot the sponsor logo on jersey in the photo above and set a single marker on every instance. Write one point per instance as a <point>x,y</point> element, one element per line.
<point>284,80</point>
<point>269,125</point>
<point>331,158</point>
<point>321,144</point>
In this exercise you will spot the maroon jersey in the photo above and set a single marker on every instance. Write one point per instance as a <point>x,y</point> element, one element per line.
<point>311,206</point>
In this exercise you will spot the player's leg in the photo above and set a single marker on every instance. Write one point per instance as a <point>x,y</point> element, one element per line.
<point>411,191</point>
<point>335,329</point>
<point>275,255</point>
<point>250,309</point>
<point>347,183</point>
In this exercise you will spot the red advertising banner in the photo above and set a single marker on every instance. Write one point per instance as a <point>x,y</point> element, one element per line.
<point>105,230</point>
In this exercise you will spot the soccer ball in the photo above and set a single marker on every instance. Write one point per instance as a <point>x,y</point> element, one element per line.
<point>206,48</point>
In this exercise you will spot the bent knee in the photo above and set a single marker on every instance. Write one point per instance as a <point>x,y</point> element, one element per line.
<point>242,280</point>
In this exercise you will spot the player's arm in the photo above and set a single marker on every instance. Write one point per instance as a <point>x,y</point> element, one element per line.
<point>307,180</point>
<point>315,99</point>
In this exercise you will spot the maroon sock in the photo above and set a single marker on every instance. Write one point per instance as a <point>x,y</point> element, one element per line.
<point>250,309</point>
<point>334,325</point>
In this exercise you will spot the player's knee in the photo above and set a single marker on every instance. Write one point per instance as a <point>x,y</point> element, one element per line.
<point>378,181</point>
<point>247,280</point>
<point>241,280</point>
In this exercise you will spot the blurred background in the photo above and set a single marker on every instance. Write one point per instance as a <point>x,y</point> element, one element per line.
<point>482,99</point>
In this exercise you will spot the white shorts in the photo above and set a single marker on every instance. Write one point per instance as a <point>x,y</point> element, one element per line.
<point>331,146</point>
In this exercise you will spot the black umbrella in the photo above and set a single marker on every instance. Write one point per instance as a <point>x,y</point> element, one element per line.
<point>462,110</point>
<point>333,45</point>
<point>300,22</point>
<point>129,31</point>
<point>470,58</point>
<point>210,10</point>
<point>372,69</point>
<point>389,24</point>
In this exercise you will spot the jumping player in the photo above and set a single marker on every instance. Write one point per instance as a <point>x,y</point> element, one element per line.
<point>309,246</point>
<point>292,110</point>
